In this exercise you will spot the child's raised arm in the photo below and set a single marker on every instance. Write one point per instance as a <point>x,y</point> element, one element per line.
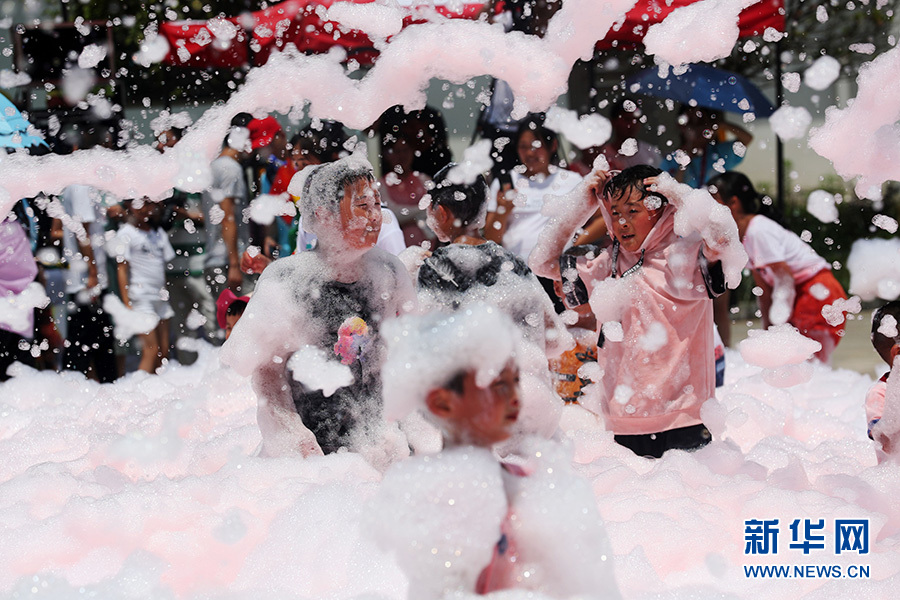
<point>567,214</point>
<point>697,212</point>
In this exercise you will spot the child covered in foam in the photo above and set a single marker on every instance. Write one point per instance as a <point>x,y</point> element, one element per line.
<point>329,304</point>
<point>473,270</point>
<point>650,294</point>
<point>886,340</point>
<point>461,521</point>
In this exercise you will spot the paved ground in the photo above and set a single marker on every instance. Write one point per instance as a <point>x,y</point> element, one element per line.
<point>855,351</point>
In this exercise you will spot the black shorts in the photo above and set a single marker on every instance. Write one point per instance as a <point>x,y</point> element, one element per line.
<point>653,445</point>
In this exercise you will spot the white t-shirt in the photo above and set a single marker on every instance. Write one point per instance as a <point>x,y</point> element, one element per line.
<point>767,242</point>
<point>85,207</point>
<point>390,238</point>
<point>227,182</point>
<point>147,253</point>
<point>526,220</point>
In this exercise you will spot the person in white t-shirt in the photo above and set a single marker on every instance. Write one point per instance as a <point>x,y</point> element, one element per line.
<point>514,217</point>
<point>796,282</point>
<point>142,249</point>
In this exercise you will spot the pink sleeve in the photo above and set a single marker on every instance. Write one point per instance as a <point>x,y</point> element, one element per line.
<point>875,401</point>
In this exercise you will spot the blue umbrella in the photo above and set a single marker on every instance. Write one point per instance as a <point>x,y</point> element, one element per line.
<point>14,127</point>
<point>707,86</point>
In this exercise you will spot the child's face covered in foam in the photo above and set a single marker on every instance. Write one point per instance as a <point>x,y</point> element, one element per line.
<point>361,214</point>
<point>633,213</point>
<point>483,416</point>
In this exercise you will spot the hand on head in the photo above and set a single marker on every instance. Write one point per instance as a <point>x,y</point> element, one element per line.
<point>596,182</point>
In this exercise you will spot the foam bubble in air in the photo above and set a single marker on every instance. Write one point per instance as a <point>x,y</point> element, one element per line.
<point>821,205</point>
<point>874,267</point>
<point>834,313</point>
<point>266,208</point>
<point>91,56</point>
<point>17,310</point>
<point>313,368</point>
<point>822,73</point>
<point>790,122</point>
<point>862,140</point>
<point>584,131</point>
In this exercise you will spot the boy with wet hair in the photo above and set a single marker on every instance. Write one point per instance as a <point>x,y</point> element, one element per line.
<point>457,210</point>
<point>886,341</point>
<point>654,291</point>
<point>332,301</point>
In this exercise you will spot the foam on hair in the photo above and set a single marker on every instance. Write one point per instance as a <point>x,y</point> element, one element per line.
<point>425,352</point>
<point>466,202</point>
<point>885,330</point>
<point>322,186</point>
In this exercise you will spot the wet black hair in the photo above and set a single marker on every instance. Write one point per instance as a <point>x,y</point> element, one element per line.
<point>237,307</point>
<point>881,342</point>
<point>632,177</point>
<point>464,201</point>
<point>428,159</point>
<point>534,123</point>
<point>325,141</point>
<point>733,184</point>
<point>451,271</point>
<point>241,119</point>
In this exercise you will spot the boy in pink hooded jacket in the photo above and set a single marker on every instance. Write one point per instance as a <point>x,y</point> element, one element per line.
<point>650,294</point>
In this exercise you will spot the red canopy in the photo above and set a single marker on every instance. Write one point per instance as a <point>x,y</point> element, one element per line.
<point>753,20</point>
<point>298,22</point>
<point>251,37</point>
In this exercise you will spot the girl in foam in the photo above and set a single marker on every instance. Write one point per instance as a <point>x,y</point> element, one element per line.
<point>650,295</point>
<point>314,301</point>
<point>796,282</point>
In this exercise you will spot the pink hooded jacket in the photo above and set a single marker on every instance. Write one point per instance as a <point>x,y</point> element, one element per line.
<point>17,270</point>
<point>662,370</point>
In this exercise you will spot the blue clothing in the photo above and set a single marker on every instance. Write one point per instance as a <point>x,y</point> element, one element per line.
<point>718,158</point>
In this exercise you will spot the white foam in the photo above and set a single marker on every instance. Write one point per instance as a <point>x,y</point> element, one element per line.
<point>675,41</point>
<point>822,73</point>
<point>584,131</point>
<point>790,122</point>
<point>821,205</point>
<point>874,267</point>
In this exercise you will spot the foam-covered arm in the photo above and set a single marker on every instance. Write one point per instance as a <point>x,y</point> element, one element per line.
<point>567,214</point>
<point>697,212</point>
<point>282,429</point>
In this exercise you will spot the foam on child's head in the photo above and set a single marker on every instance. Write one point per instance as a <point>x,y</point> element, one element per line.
<point>885,329</point>
<point>632,177</point>
<point>323,185</point>
<point>467,202</point>
<point>424,352</point>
